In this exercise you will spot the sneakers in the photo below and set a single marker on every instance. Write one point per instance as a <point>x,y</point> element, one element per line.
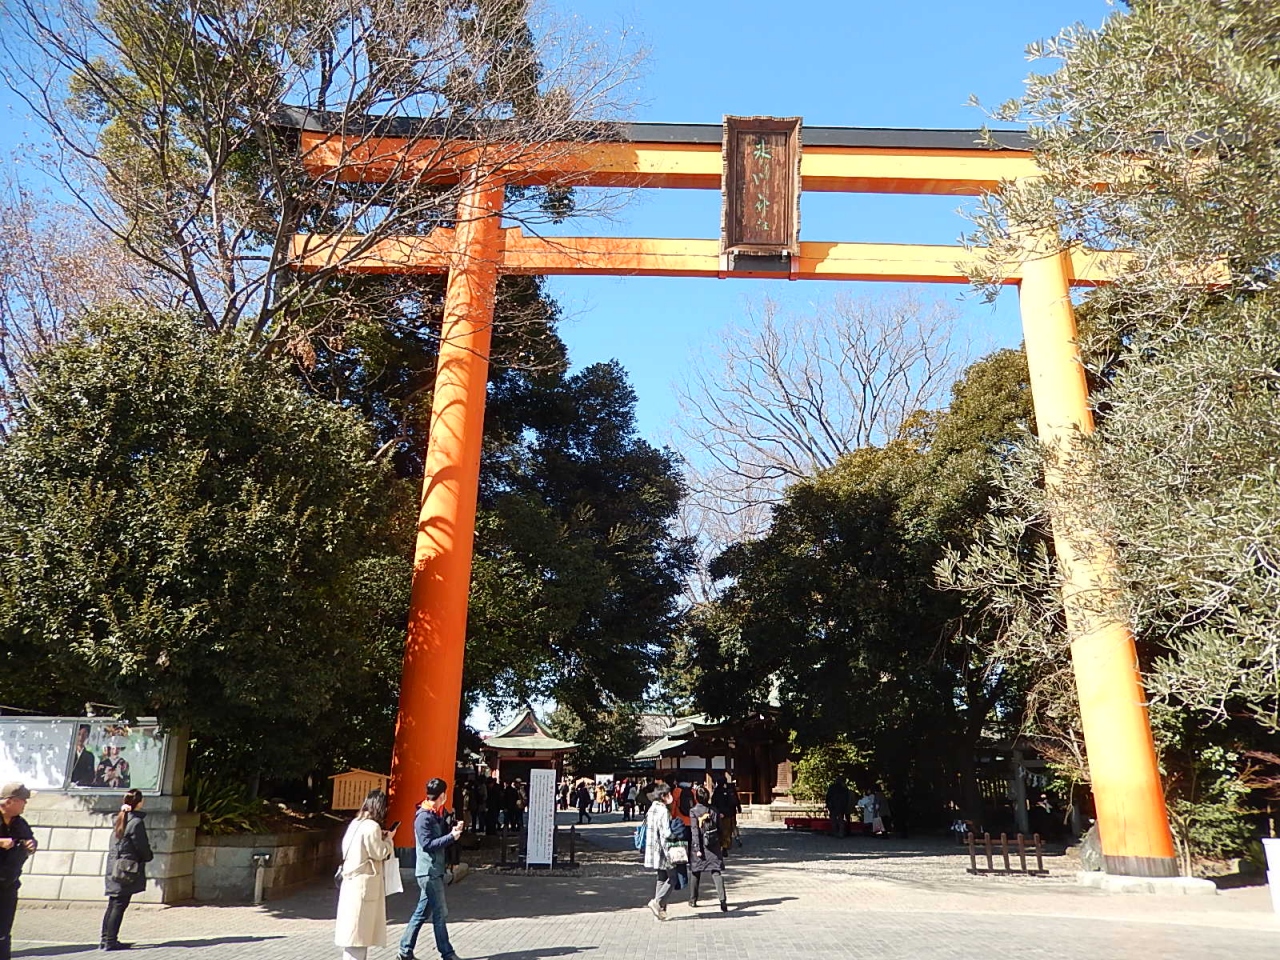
<point>114,945</point>
<point>657,909</point>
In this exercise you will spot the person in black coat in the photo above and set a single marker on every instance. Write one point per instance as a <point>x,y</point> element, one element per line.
<point>17,842</point>
<point>706,851</point>
<point>126,870</point>
<point>582,800</point>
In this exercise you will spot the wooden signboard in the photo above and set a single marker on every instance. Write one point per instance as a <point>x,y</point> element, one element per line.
<point>761,186</point>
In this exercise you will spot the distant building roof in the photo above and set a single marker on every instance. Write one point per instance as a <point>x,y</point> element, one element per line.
<point>525,732</point>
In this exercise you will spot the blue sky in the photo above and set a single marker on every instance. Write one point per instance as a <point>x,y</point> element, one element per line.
<point>851,63</point>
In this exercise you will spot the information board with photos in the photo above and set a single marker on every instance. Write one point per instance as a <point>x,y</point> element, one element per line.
<point>82,754</point>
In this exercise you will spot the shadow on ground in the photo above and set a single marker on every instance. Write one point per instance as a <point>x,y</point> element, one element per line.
<point>62,949</point>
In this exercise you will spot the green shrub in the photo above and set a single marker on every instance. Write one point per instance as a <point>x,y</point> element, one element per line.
<point>224,806</point>
<point>822,764</point>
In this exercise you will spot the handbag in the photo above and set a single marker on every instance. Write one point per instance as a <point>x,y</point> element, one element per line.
<point>678,853</point>
<point>391,876</point>
<point>125,872</point>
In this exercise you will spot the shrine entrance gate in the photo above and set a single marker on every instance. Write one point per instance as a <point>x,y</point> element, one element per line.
<point>761,168</point>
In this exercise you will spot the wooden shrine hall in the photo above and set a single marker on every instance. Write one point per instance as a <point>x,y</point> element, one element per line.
<point>761,166</point>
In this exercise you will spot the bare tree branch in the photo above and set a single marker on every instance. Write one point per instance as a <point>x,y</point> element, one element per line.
<point>787,396</point>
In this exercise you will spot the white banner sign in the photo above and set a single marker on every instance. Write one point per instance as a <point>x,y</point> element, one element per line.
<point>35,752</point>
<point>82,754</point>
<point>542,816</point>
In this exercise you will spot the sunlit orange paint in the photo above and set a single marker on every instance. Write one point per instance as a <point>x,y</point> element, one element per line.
<point>431,686</point>
<point>1125,778</point>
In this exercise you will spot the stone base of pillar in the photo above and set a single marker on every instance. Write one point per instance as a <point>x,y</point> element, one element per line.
<point>1169,886</point>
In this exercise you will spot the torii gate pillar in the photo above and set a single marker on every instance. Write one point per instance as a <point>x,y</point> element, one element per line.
<point>1132,822</point>
<point>431,685</point>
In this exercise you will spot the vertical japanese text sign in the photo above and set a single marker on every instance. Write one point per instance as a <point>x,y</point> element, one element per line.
<point>761,186</point>
<point>542,816</point>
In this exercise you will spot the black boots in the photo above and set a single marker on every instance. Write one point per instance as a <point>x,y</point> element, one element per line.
<point>111,925</point>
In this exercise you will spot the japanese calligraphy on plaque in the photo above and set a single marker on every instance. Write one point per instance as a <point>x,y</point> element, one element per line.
<point>761,186</point>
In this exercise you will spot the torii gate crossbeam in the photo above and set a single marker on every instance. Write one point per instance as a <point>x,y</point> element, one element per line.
<point>1130,802</point>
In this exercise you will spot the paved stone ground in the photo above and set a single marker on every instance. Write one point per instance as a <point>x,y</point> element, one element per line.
<point>791,895</point>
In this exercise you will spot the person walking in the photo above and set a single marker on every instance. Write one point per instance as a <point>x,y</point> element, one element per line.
<point>629,800</point>
<point>657,831</point>
<point>727,803</point>
<point>17,842</point>
<point>706,854</point>
<point>361,922</point>
<point>126,874</point>
<point>432,835</point>
<point>584,803</point>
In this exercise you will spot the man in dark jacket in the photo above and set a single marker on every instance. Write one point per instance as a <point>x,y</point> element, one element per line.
<point>17,842</point>
<point>432,835</point>
<point>83,766</point>
<point>838,806</point>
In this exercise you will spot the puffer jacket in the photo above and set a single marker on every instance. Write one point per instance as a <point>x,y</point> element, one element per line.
<point>133,846</point>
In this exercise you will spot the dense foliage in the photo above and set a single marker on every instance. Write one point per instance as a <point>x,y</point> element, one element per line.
<point>1176,105</point>
<point>179,526</point>
<point>835,612</point>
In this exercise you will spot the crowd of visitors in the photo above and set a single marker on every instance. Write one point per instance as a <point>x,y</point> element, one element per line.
<point>872,809</point>
<point>686,833</point>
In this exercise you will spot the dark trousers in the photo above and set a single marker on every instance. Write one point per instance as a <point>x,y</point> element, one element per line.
<point>584,814</point>
<point>8,907</point>
<point>696,882</point>
<point>116,906</point>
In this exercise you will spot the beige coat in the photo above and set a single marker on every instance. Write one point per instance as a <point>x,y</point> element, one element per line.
<point>362,900</point>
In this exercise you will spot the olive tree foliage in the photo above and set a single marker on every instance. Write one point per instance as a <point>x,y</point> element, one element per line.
<point>170,121</point>
<point>183,534</point>
<point>1159,135</point>
<point>788,393</point>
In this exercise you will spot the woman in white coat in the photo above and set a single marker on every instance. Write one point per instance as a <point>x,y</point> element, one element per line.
<point>362,898</point>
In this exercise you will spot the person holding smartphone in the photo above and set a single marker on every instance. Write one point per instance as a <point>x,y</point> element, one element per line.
<point>361,922</point>
<point>432,836</point>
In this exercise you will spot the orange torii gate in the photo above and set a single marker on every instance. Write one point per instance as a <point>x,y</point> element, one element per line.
<point>760,166</point>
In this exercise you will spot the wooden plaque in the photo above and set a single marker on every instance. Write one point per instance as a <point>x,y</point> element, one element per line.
<point>760,189</point>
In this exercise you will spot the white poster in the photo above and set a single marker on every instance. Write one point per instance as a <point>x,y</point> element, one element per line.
<point>35,752</point>
<point>542,816</point>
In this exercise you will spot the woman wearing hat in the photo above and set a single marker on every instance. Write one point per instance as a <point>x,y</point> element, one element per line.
<point>126,873</point>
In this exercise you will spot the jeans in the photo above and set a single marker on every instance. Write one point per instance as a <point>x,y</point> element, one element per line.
<point>116,906</point>
<point>431,904</point>
<point>8,907</point>
<point>663,887</point>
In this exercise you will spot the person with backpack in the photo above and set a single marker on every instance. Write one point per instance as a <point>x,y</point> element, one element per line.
<point>652,837</point>
<point>706,852</point>
<point>126,871</point>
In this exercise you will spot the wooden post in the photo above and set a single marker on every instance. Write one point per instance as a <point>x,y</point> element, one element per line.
<point>426,743</point>
<point>1132,820</point>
